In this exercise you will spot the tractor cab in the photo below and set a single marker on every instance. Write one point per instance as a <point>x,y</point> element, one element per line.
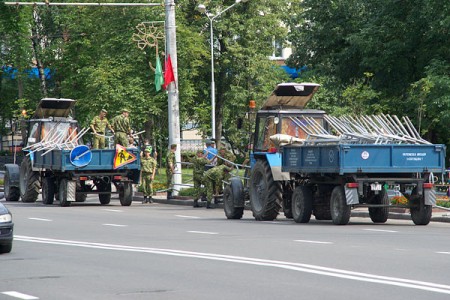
<point>283,116</point>
<point>52,122</point>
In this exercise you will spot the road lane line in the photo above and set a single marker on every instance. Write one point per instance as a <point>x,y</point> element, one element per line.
<point>380,230</point>
<point>113,210</point>
<point>442,252</point>
<point>39,219</point>
<point>188,217</point>
<point>299,267</point>
<point>203,232</point>
<point>115,225</point>
<point>312,242</point>
<point>19,295</point>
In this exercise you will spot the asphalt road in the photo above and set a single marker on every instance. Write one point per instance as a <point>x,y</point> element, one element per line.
<point>158,251</point>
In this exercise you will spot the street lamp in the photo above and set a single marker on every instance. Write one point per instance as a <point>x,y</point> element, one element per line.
<point>211,17</point>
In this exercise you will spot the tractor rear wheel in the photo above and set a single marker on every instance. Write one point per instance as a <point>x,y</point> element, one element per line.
<point>30,183</point>
<point>265,193</point>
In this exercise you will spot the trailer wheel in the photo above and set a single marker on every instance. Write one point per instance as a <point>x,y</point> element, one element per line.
<point>63,193</point>
<point>340,211</point>
<point>380,214</point>
<point>104,187</point>
<point>126,194</point>
<point>29,181</point>
<point>265,193</point>
<point>80,197</point>
<point>420,213</point>
<point>287,201</point>
<point>233,199</point>
<point>48,190</point>
<point>302,203</point>
<point>12,193</point>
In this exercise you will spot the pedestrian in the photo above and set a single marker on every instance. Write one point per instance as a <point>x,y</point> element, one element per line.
<point>210,153</point>
<point>198,163</point>
<point>213,180</point>
<point>98,125</point>
<point>148,169</point>
<point>122,128</point>
<point>170,168</point>
<point>147,145</point>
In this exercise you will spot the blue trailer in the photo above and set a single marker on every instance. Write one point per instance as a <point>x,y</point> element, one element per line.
<point>351,175</point>
<point>57,162</point>
<point>299,165</point>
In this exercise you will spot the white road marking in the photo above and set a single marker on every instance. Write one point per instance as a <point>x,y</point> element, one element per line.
<point>113,210</point>
<point>443,252</point>
<point>19,295</point>
<point>188,217</point>
<point>299,267</point>
<point>312,242</point>
<point>115,225</point>
<point>39,219</point>
<point>203,232</point>
<point>380,230</point>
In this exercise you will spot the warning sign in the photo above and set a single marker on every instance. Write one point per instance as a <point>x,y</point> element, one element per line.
<point>122,157</point>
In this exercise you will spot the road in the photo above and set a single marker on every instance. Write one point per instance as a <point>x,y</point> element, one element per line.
<point>158,251</point>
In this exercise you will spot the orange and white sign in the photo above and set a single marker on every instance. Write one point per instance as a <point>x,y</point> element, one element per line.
<point>122,157</point>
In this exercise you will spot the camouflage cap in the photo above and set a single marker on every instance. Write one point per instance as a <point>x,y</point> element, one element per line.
<point>125,110</point>
<point>104,110</point>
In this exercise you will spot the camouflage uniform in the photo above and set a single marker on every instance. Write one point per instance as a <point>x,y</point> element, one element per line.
<point>170,162</point>
<point>122,127</point>
<point>99,125</point>
<point>213,180</point>
<point>148,166</point>
<point>198,170</point>
<point>228,156</point>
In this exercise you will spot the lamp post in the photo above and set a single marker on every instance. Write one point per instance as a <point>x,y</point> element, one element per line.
<point>211,17</point>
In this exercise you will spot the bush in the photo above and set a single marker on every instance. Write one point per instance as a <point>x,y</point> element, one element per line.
<point>189,192</point>
<point>399,200</point>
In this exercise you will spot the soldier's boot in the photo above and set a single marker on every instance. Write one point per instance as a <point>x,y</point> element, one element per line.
<point>169,195</point>
<point>150,199</point>
<point>145,200</point>
<point>196,203</point>
<point>209,205</point>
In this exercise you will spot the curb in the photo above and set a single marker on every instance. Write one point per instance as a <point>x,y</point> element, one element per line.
<point>358,214</point>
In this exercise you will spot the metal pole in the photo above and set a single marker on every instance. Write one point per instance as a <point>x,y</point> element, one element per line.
<point>213,85</point>
<point>172,89</point>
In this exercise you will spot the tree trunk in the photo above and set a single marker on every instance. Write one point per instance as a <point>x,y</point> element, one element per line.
<point>35,40</point>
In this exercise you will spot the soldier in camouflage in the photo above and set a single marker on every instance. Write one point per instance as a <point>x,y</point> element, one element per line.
<point>224,154</point>
<point>122,128</point>
<point>198,163</point>
<point>170,168</point>
<point>148,168</point>
<point>98,126</point>
<point>213,180</point>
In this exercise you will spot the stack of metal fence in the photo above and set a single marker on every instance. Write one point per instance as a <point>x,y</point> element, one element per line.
<point>365,129</point>
<point>57,138</point>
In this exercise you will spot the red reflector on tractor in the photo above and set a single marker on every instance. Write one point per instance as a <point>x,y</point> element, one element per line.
<point>83,178</point>
<point>352,185</point>
<point>428,185</point>
<point>118,177</point>
<point>272,150</point>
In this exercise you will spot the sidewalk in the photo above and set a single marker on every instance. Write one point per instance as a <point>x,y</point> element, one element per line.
<point>439,215</point>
